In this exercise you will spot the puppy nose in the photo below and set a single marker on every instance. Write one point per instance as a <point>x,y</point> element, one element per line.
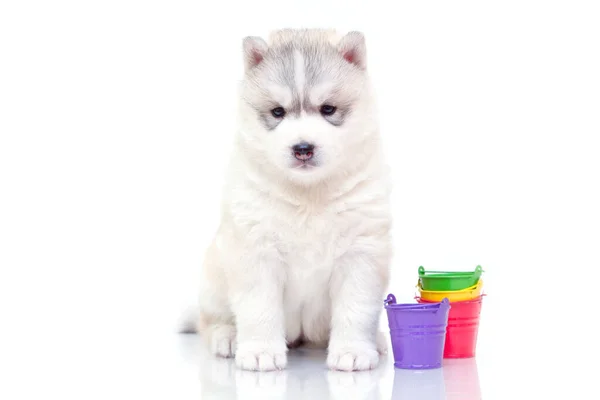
<point>303,151</point>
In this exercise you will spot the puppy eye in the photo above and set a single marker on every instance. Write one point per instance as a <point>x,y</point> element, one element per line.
<point>327,109</point>
<point>278,112</point>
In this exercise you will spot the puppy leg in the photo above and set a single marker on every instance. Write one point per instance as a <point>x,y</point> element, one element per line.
<point>257,302</point>
<point>382,343</point>
<point>215,325</point>
<point>357,288</point>
<point>215,322</point>
<point>221,339</point>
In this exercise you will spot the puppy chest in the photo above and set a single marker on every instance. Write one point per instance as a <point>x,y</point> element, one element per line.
<point>308,252</point>
<point>308,244</point>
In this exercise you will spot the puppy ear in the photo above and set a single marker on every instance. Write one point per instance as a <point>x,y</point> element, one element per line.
<point>353,48</point>
<point>255,49</point>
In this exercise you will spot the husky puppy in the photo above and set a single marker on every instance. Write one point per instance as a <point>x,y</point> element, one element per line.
<point>303,249</point>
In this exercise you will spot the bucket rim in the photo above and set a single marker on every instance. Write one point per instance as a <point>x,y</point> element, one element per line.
<point>390,303</point>
<point>473,288</point>
<point>477,299</point>
<point>413,306</point>
<point>450,274</point>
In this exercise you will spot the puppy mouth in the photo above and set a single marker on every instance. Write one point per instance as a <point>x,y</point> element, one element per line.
<point>304,164</point>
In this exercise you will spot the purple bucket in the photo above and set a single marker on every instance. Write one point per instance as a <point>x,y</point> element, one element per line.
<point>418,333</point>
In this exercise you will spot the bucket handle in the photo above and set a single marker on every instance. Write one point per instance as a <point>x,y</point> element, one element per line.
<point>478,271</point>
<point>444,304</point>
<point>391,299</point>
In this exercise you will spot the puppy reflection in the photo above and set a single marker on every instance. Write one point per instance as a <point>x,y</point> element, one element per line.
<point>305,378</point>
<point>355,385</point>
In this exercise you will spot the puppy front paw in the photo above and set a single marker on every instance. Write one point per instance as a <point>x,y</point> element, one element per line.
<point>263,356</point>
<point>352,356</point>
<point>222,340</point>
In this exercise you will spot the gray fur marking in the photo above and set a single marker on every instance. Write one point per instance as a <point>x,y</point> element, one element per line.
<point>322,63</point>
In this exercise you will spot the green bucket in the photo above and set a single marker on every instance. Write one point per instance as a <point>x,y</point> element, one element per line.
<point>448,281</point>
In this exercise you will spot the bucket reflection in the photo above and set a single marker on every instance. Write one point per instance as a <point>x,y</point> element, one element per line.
<point>418,384</point>
<point>458,379</point>
<point>461,379</point>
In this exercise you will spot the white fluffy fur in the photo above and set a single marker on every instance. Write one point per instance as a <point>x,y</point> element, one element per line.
<point>301,253</point>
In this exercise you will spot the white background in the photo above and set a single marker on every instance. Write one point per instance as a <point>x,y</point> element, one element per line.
<point>116,119</point>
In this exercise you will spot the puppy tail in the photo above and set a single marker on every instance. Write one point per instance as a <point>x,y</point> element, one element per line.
<point>189,321</point>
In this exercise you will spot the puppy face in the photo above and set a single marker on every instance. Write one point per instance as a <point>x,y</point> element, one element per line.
<point>306,102</point>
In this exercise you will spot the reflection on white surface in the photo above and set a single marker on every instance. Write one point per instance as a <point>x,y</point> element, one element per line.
<point>456,380</point>
<point>461,379</point>
<point>308,378</point>
<point>418,384</point>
